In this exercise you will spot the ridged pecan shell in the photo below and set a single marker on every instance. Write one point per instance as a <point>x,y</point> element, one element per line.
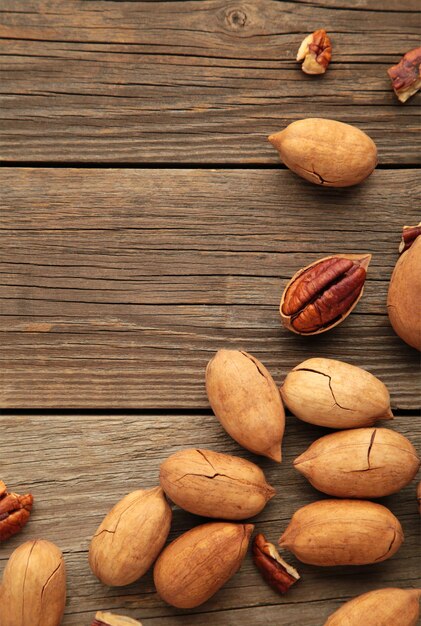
<point>14,512</point>
<point>276,572</point>
<point>323,294</point>
<point>406,75</point>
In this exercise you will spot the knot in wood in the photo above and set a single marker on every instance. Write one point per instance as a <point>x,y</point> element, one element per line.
<point>236,19</point>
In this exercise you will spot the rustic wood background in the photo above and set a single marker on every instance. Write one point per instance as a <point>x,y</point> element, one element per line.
<point>146,222</point>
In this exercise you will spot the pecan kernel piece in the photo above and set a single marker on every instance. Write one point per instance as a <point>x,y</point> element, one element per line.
<point>409,234</point>
<point>406,75</point>
<point>276,572</point>
<point>14,512</point>
<point>321,295</point>
<point>316,52</point>
<point>109,619</point>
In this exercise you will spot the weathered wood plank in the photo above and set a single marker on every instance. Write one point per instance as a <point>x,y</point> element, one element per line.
<point>194,81</point>
<point>118,286</point>
<point>79,466</point>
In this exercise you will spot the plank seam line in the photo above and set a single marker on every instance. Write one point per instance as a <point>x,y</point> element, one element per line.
<point>130,412</point>
<point>166,165</point>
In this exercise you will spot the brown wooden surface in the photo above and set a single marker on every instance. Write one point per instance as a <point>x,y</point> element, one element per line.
<point>77,467</point>
<point>195,81</point>
<point>118,283</point>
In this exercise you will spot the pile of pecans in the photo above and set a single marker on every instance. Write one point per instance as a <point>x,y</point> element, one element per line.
<point>358,462</point>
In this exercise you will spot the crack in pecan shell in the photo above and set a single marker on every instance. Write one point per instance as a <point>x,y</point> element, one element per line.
<point>321,295</point>
<point>316,51</point>
<point>409,234</point>
<point>14,512</point>
<point>406,75</point>
<point>276,572</point>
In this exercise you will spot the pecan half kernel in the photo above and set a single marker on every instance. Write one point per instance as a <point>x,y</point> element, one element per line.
<point>409,234</point>
<point>406,75</point>
<point>109,619</point>
<point>14,512</point>
<point>276,572</point>
<point>323,294</point>
<point>316,51</point>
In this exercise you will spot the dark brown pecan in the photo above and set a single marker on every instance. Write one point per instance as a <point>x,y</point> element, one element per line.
<point>14,512</point>
<point>109,619</point>
<point>316,52</point>
<point>406,75</point>
<point>409,234</point>
<point>321,295</point>
<point>276,572</point>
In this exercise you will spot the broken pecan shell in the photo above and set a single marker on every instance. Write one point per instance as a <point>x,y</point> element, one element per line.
<point>14,512</point>
<point>406,75</point>
<point>276,572</point>
<point>321,295</point>
<point>109,619</point>
<point>316,51</point>
<point>409,234</point>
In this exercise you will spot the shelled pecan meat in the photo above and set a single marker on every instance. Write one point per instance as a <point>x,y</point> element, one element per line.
<point>406,75</point>
<point>316,52</point>
<point>276,572</point>
<point>14,512</point>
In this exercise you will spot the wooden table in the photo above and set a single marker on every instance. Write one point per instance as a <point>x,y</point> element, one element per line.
<point>147,222</point>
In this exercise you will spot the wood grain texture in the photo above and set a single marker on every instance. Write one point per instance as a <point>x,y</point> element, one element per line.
<point>77,467</point>
<point>195,81</point>
<point>118,286</point>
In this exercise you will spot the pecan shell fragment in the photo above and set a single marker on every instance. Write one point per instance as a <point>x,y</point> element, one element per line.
<point>316,52</point>
<point>14,512</point>
<point>110,619</point>
<point>406,75</point>
<point>276,572</point>
<point>323,294</point>
<point>409,234</point>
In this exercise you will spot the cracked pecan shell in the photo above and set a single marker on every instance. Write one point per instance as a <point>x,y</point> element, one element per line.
<point>14,512</point>
<point>321,295</point>
<point>406,75</point>
<point>335,394</point>
<point>246,400</point>
<point>361,463</point>
<point>212,484</point>
<point>276,572</point>
<point>130,537</point>
<point>342,532</point>
<point>326,152</point>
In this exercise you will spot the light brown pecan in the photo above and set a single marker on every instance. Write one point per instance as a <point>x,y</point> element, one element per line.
<point>109,619</point>
<point>406,75</point>
<point>276,572</point>
<point>323,294</point>
<point>409,234</point>
<point>316,52</point>
<point>14,512</point>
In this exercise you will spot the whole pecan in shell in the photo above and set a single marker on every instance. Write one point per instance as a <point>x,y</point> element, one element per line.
<point>323,294</point>
<point>14,512</point>
<point>276,572</point>
<point>406,75</point>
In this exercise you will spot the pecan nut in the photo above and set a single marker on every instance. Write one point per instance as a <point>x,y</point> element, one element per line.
<point>409,234</point>
<point>406,75</point>
<point>316,52</point>
<point>323,294</point>
<point>109,619</point>
<point>276,572</point>
<point>14,512</point>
